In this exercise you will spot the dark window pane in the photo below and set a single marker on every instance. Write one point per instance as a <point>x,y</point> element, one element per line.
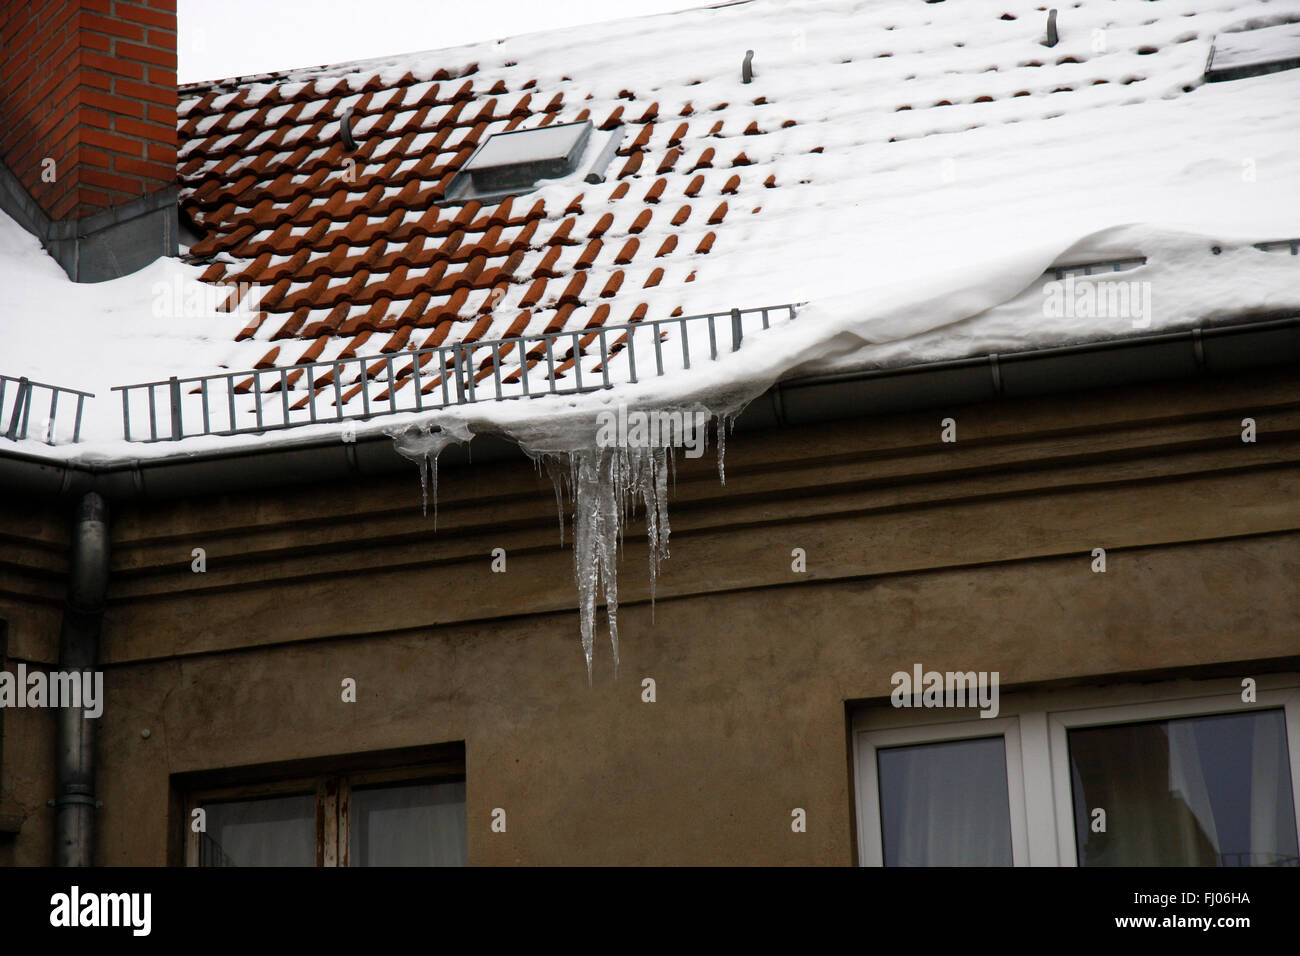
<point>413,825</point>
<point>276,831</point>
<point>1195,791</point>
<point>945,804</point>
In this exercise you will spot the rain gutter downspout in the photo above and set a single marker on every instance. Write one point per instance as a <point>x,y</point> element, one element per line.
<point>74,802</point>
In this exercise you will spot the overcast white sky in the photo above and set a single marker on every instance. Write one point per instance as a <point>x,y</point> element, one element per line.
<point>221,38</point>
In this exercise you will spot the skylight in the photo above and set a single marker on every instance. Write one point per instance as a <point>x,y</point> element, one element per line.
<point>1254,52</point>
<point>511,163</point>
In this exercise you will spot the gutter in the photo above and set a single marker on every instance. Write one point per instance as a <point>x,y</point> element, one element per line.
<point>1163,356</point>
<point>74,801</point>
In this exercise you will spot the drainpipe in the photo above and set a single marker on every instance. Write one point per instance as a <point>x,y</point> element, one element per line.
<point>74,804</point>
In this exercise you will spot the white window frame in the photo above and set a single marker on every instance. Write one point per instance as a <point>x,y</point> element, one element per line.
<point>1034,727</point>
<point>872,846</point>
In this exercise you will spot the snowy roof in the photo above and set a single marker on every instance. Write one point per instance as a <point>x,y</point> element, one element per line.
<point>908,170</point>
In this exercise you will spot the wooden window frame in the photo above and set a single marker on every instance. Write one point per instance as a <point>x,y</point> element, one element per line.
<point>1034,726</point>
<point>333,792</point>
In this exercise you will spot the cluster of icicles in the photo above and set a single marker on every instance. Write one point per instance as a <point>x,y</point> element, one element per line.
<point>600,488</point>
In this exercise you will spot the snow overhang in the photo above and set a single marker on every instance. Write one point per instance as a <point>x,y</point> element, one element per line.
<point>1250,343</point>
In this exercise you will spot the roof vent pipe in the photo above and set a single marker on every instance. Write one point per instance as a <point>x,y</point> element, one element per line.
<point>345,128</point>
<point>747,68</point>
<point>1052,38</point>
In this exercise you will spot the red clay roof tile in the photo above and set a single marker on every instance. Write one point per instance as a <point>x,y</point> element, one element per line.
<point>628,252</point>
<point>589,254</point>
<point>612,286</point>
<point>705,161</point>
<point>349,244</point>
<point>632,165</point>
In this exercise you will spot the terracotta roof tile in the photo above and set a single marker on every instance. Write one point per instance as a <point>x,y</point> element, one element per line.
<point>641,141</point>
<point>705,161</point>
<point>632,166</point>
<point>572,293</point>
<point>628,252</point>
<point>350,245</point>
<point>613,285</point>
<point>588,256</point>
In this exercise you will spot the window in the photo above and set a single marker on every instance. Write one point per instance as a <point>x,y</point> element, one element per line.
<point>1165,775</point>
<point>1243,53</point>
<point>508,164</point>
<point>409,816</point>
<point>1194,791</point>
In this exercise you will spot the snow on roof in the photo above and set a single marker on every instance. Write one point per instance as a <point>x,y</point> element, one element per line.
<point>909,170</point>
<point>1258,50</point>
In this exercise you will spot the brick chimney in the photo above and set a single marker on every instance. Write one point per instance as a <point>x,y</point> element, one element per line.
<point>88,130</point>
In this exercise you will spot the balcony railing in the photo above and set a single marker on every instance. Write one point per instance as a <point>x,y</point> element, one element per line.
<point>362,387</point>
<point>24,403</point>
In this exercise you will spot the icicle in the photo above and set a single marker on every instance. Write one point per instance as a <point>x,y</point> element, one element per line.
<point>422,445</point>
<point>605,483</point>
<point>723,421</point>
<point>554,470</point>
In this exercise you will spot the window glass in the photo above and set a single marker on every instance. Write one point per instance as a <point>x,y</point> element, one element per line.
<point>945,804</point>
<point>275,831</point>
<point>1193,791</point>
<point>420,825</point>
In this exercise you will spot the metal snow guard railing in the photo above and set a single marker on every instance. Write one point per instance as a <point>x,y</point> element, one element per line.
<point>16,396</point>
<point>450,374</point>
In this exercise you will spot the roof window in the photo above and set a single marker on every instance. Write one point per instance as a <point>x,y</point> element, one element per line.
<point>515,162</point>
<point>1254,52</point>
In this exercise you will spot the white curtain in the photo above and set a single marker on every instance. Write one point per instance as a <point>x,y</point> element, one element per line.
<point>1187,778</point>
<point>946,804</point>
<point>419,825</point>
<point>278,831</point>
<point>1272,814</point>
<point>1193,791</point>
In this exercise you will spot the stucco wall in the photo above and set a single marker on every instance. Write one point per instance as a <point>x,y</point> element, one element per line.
<point>973,555</point>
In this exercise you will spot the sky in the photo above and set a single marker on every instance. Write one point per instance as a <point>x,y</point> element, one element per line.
<point>216,41</point>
